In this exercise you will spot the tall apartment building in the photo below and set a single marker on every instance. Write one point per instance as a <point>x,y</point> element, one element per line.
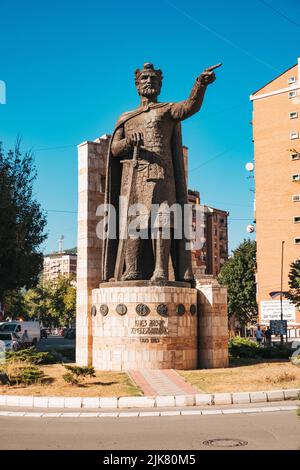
<point>59,264</point>
<point>276,130</point>
<point>211,257</point>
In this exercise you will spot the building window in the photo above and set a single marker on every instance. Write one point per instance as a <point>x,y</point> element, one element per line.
<point>296,198</point>
<point>294,135</point>
<point>297,241</point>
<point>291,80</point>
<point>292,94</point>
<point>296,177</point>
<point>294,115</point>
<point>295,156</point>
<point>297,219</point>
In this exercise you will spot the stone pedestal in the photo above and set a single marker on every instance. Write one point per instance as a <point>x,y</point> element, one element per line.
<point>140,326</point>
<point>91,182</point>
<point>213,324</point>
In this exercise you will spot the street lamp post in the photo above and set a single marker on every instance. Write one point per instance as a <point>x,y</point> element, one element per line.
<point>281,288</point>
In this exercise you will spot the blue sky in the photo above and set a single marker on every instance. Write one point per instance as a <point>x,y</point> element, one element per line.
<point>68,68</point>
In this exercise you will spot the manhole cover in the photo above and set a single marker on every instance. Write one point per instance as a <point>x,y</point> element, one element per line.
<point>225,443</point>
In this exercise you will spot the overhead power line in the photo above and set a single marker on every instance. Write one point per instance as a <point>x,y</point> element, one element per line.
<point>280,13</point>
<point>220,36</point>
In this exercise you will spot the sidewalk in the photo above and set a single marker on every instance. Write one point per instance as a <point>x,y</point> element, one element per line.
<point>161,382</point>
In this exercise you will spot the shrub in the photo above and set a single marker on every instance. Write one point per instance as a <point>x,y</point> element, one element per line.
<point>23,373</point>
<point>280,351</point>
<point>30,356</point>
<point>283,377</point>
<point>82,371</point>
<point>242,347</point>
<point>295,360</point>
<point>245,347</point>
<point>70,378</point>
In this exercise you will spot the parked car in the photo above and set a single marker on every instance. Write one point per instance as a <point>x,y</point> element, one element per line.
<point>19,327</point>
<point>71,333</point>
<point>44,333</point>
<point>65,332</point>
<point>11,341</point>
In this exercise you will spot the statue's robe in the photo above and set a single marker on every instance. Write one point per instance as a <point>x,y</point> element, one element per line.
<point>181,257</point>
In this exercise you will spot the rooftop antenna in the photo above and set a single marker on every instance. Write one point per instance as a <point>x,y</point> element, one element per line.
<point>60,242</point>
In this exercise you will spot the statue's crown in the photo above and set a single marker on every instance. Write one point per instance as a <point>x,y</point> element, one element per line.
<point>146,67</point>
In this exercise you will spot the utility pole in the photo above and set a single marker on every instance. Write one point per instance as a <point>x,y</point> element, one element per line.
<point>281,288</point>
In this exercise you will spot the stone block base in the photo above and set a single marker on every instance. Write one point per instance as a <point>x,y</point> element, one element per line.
<point>213,324</point>
<point>144,327</point>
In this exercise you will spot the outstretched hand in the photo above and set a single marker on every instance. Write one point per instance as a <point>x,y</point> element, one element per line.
<point>208,76</point>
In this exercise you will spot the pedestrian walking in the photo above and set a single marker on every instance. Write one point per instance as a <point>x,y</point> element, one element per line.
<point>259,335</point>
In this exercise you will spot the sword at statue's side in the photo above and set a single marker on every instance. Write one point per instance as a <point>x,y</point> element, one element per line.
<point>119,267</point>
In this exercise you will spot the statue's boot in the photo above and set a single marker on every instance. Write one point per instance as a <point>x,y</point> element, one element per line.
<point>162,252</point>
<point>132,260</point>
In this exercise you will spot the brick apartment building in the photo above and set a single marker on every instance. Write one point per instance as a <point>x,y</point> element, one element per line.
<point>214,252</point>
<point>276,130</point>
<point>59,264</point>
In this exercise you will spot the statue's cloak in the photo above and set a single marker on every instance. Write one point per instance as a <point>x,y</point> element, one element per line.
<point>181,258</point>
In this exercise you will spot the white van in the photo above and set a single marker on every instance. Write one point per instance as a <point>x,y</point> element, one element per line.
<point>18,327</point>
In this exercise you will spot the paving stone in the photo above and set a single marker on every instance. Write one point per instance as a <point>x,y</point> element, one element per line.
<point>275,395</point>
<point>144,414</point>
<point>191,412</point>
<point>56,402</point>
<point>258,397</point>
<point>240,398</point>
<point>136,402</point>
<point>203,399</point>
<point>130,414</point>
<point>231,411</point>
<point>3,400</point>
<point>165,401</point>
<point>170,413</point>
<point>90,402</point>
<point>108,402</point>
<point>73,402</point>
<point>184,400</point>
<point>12,400</point>
<point>40,402</point>
<point>222,399</point>
<point>291,394</point>
<point>26,401</point>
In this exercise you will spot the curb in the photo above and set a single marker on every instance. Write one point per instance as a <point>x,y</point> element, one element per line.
<point>147,414</point>
<point>150,402</point>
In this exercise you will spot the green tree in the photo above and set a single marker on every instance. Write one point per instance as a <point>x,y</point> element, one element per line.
<point>38,304</point>
<point>52,303</point>
<point>14,304</point>
<point>22,222</point>
<point>238,274</point>
<point>294,283</point>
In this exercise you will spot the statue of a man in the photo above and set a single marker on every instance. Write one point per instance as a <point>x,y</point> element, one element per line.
<point>156,176</point>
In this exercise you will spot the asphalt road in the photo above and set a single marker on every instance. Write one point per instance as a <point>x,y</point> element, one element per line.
<point>55,342</point>
<point>276,430</point>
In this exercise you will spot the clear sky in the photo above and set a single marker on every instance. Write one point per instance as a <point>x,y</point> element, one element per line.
<point>68,68</point>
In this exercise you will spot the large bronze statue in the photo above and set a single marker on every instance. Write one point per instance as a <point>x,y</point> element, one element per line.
<point>145,165</point>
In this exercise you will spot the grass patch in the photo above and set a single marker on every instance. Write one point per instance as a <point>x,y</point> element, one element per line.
<point>104,384</point>
<point>245,375</point>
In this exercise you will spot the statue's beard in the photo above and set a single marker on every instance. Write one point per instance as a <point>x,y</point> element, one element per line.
<point>148,91</point>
